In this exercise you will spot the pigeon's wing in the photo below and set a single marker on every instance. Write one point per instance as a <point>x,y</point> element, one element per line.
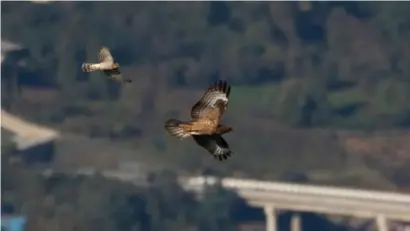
<point>105,56</point>
<point>114,74</point>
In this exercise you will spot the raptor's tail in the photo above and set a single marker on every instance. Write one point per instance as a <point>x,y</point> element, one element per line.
<point>178,128</point>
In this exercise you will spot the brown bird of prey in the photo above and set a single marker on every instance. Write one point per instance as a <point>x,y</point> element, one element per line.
<point>106,64</point>
<point>204,126</point>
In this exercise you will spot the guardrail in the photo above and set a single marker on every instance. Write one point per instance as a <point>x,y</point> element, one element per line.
<point>309,198</point>
<point>299,188</point>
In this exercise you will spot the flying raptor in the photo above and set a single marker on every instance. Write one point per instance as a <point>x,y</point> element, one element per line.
<point>106,64</point>
<point>205,127</point>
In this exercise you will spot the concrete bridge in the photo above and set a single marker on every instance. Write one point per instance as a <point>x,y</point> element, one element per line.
<point>274,196</point>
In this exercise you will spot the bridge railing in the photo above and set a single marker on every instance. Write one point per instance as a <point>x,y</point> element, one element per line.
<point>243,184</point>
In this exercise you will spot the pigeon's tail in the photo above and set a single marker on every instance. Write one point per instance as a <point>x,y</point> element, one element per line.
<point>88,67</point>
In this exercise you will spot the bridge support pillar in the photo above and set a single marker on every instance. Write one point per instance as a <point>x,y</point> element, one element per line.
<point>295,222</point>
<point>270,216</point>
<point>381,223</point>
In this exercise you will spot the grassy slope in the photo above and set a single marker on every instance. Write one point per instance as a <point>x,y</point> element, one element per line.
<point>265,146</point>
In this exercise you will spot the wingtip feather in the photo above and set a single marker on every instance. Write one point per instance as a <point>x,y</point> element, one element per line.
<point>222,86</point>
<point>224,156</point>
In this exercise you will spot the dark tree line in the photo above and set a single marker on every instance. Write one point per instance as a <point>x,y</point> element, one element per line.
<point>348,59</point>
<point>67,202</point>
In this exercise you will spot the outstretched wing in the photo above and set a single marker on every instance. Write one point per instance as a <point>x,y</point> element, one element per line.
<point>105,56</point>
<point>216,97</point>
<point>105,62</point>
<point>114,73</point>
<point>214,144</point>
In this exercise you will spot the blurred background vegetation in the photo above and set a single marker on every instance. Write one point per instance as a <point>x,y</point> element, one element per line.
<point>320,89</point>
<point>332,77</point>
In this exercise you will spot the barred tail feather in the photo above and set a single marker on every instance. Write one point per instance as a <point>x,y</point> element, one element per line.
<point>178,128</point>
<point>88,67</point>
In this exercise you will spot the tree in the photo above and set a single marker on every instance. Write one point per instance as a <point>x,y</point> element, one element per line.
<point>217,210</point>
<point>169,205</point>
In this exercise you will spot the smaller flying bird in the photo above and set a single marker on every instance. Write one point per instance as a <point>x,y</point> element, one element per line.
<point>106,64</point>
<point>204,126</point>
